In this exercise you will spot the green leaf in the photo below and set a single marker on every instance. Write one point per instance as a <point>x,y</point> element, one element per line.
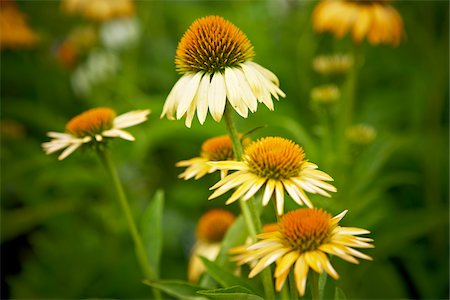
<point>225,277</point>
<point>234,292</point>
<point>339,294</point>
<point>177,288</point>
<point>151,230</point>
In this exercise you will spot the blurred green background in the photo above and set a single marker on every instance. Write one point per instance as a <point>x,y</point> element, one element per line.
<point>62,234</point>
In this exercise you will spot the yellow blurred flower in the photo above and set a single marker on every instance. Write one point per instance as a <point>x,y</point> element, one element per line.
<point>361,134</point>
<point>304,239</point>
<point>332,64</point>
<point>325,94</point>
<point>211,229</point>
<point>218,148</point>
<point>15,32</point>
<point>99,10</point>
<point>215,58</point>
<point>377,20</point>
<point>93,126</point>
<point>278,164</point>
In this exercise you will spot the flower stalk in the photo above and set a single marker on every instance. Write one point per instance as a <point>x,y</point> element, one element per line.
<point>248,210</point>
<point>142,258</point>
<point>315,286</point>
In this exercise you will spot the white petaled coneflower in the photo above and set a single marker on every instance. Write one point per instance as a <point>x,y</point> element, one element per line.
<point>377,20</point>
<point>211,229</point>
<point>215,58</point>
<point>93,126</point>
<point>218,148</point>
<point>278,164</point>
<point>304,239</point>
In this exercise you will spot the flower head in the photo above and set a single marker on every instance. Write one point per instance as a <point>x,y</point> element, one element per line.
<point>93,126</point>
<point>280,165</point>
<point>361,134</point>
<point>218,148</point>
<point>15,32</point>
<point>99,10</point>
<point>214,57</point>
<point>332,64</point>
<point>303,240</point>
<point>325,94</point>
<point>211,229</point>
<point>377,20</point>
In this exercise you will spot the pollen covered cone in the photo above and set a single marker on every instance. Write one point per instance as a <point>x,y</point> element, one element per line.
<point>15,32</point>
<point>93,126</point>
<point>377,21</point>
<point>304,239</point>
<point>211,229</point>
<point>211,44</point>
<point>278,164</point>
<point>91,122</point>
<point>218,148</point>
<point>215,58</point>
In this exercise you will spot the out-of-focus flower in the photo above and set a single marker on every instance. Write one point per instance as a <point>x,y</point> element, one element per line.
<point>280,165</point>
<point>218,148</point>
<point>121,33</point>
<point>215,58</point>
<point>325,94</point>
<point>304,239</point>
<point>12,129</point>
<point>93,126</point>
<point>80,40</point>
<point>99,10</point>
<point>15,32</point>
<point>99,66</point>
<point>333,64</point>
<point>377,20</point>
<point>361,134</point>
<point>211,229</point>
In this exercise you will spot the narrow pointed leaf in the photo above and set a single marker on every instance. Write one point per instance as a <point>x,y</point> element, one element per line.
<point>177,288</point>
<point>234,292</point>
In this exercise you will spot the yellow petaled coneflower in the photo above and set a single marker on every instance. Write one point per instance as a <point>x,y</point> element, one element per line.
<point>99,10</point>
<point>218,148</point>
<point>93,126</point>
<point>215,58</point>
<point>325,94</point>
<point>278,164</point>
<point>304,239</point>
<point>15,33</point>
<point>361,134</point>
<point>211,229</point>
<point>377,20</point>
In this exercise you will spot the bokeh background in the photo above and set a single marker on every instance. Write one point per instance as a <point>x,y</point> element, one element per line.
<point>62,234</point>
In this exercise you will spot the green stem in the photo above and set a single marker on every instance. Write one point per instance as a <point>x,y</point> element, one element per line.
<point>248,210</point>
<point>292,286</point>
<point>142,258</point>
<point>315,286</point>
<point>348,102</point>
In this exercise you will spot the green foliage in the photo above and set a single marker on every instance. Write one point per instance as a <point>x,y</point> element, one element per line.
<point>63,235</point>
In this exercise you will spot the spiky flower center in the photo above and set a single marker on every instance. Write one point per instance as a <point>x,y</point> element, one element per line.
<point>91,122</point>
<point>213,225</point>
<point>218,148</point>
<point>275,158</point>
<point>210,45</point>
<point>305,229</point>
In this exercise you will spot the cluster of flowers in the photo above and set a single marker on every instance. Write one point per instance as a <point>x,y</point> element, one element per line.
<point>218,75</point>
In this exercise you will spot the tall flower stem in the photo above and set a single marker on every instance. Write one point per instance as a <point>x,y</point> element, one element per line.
<point>315,286</point>
<point>248,209</point>
<point>348,102</point>
<point>142,258</point>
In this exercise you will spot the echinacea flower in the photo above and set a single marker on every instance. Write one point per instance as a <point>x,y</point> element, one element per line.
<point>93,126</point>
<point>377,20</point>
<point>304,239</point>
<point>211,229</point>
<point>99,10</point>
<point>280,165</point>
<point>215,58</point>
<point>218,148</point>
<point>15,32</point>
